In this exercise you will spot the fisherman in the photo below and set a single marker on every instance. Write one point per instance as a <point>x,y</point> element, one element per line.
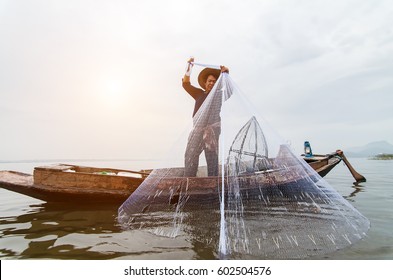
<point>206,131</point>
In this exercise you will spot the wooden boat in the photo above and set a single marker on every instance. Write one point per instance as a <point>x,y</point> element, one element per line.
<point>65,182</point>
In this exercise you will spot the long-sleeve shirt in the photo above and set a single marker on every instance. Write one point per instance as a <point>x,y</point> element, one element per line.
<point>198,94</point>
<point>211,113</point>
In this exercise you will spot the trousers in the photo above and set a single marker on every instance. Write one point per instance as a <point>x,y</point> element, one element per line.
<point>202,139</point>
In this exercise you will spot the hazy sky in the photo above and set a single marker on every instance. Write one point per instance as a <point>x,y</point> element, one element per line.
<point>102,79</point>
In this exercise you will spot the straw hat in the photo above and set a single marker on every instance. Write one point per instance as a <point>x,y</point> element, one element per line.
<point>202,77</point>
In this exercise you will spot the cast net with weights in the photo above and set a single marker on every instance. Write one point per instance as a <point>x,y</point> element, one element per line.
<point>251,196</point>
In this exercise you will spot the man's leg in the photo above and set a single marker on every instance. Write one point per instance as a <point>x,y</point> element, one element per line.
<point>212,155</point>
<point>193,150</point>
<point>212,162</point>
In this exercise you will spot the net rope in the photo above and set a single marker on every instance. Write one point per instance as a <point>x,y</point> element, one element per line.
<point>263,200</point>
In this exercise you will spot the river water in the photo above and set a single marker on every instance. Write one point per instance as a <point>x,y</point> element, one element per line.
<point>34,229</point>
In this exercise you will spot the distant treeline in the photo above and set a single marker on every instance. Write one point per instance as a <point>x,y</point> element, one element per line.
<point>383,157</point>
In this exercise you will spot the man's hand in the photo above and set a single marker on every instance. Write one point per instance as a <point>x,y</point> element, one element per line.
<point>191,60</point>
<point>224,69</point>
<point>189,67</point>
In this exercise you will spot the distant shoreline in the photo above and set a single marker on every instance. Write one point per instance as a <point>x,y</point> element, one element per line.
<point>383,157</point>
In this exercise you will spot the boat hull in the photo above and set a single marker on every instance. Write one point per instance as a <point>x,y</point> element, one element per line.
<point>92,185</point>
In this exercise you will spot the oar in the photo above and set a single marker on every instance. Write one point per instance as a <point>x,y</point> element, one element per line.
<point>358,177</point>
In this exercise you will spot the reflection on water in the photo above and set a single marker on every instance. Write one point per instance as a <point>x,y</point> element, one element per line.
<point>31,228</point>
<point>356,189</point>
<point>85,231</point>
<point>374,199</point>
<point>45,226</point>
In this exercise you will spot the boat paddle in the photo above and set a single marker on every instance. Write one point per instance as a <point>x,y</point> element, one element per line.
<point>358,177</point>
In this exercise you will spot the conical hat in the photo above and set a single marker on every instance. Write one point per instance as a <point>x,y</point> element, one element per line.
<point>202,77</point>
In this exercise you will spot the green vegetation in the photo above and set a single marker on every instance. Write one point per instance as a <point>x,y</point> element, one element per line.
<point>383,157</point>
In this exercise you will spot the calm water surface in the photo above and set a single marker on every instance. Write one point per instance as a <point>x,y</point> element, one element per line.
<point>31,228</point>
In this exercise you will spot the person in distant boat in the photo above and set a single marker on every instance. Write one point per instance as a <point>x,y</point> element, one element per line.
<point>206,131</point>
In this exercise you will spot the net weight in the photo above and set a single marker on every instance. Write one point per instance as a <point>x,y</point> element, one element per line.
<point>256,270</point>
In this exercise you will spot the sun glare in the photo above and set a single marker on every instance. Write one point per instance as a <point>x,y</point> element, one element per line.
<point>113,87</point>
<point>113,91</point>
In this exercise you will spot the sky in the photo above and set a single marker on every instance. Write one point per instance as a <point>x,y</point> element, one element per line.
<point>102,79</point>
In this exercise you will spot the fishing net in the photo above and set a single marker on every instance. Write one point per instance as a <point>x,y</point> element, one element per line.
<point>234,186</point>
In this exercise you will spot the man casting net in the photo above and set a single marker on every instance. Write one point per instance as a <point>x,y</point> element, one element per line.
<point>249,196</point>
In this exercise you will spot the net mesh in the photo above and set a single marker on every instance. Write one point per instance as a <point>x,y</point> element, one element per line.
<point>234,186</point>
